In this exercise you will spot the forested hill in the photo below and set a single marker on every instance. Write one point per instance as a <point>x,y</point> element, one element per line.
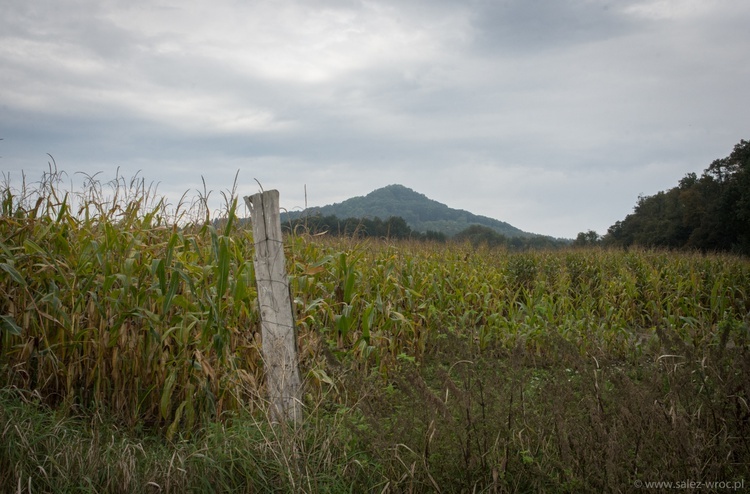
<point>708,213</point>
<point>421,213</point>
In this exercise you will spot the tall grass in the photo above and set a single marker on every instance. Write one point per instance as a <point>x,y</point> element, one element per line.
<point>42,450</point>
<point>426,366</point>
<point>116,304</point>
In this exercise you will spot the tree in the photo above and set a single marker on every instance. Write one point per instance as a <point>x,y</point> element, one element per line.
<point>709,213</point>
<point>586,239</point>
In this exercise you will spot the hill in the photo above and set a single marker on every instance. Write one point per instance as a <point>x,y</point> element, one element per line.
<point>420,212</point>
<point>709,213</point>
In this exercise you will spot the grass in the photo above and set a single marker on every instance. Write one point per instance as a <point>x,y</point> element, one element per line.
<point>44,450</point>
<point>130,358</point>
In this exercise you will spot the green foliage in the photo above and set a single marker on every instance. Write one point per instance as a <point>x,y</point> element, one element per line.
<point>710,213</point>
<point>392,228</point>
<point>42,451</point>
<point>587,239</point>
<point>420,213</point>
<point>478,235</point>
<point>396,229</point>
<point>508,421</point>
<point>428,366</point>
<point>113,307</point>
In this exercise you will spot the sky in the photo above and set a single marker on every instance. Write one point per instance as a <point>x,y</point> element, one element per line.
<point>551,115</point>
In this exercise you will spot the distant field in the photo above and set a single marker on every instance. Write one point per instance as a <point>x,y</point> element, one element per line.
<point>430,367</point>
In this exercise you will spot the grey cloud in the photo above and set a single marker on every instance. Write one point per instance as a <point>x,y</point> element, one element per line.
<point>554,113</point>
<point>524,27</point>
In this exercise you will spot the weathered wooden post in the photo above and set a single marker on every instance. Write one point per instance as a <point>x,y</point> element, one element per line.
<point>277,318</point>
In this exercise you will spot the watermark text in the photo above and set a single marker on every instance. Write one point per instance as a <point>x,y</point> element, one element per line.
<point>732,485</point>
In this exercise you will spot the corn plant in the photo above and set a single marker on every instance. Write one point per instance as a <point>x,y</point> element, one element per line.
<point>110,299</point>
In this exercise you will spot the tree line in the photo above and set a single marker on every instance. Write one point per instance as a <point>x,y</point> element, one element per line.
<point>396,227</point>
<point>706,213</point>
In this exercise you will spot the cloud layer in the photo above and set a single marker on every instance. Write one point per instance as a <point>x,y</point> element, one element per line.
<point>552,115</point>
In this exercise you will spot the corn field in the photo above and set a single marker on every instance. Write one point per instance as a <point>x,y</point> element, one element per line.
<point>109,300</point>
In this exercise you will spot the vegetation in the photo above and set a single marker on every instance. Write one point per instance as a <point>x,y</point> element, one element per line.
<point>710,213</point>
<point>419,212</point>
<point>478,235</point>
<point>393,228</point>
<point>130,358</point>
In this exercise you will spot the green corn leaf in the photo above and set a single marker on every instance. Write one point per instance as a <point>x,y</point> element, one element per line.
<point>174,283</point>
<point>166,395</point>
<point>13,273</point>
<point>170,247</point>
<point>231,216</point>
<point>367,319</point>
<point>222,274</point>
<point>172,429</point>
<point>32,248</point>
<point>7,323</point>
<point>157,268</point>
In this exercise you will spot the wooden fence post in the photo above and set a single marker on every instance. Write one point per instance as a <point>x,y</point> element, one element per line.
<point>278,331</point>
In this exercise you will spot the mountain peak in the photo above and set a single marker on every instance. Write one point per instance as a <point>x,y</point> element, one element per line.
<point>420,212</point>
<point>398,192</point>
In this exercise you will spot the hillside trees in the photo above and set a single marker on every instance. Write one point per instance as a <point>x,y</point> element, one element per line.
<point>585,239</point>
<point>478,235</point>
<point>710,213</point>
<point>394,227</point>
<point>420,213</point>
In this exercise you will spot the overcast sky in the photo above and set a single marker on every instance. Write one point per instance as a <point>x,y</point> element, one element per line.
<point>552,115</point>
